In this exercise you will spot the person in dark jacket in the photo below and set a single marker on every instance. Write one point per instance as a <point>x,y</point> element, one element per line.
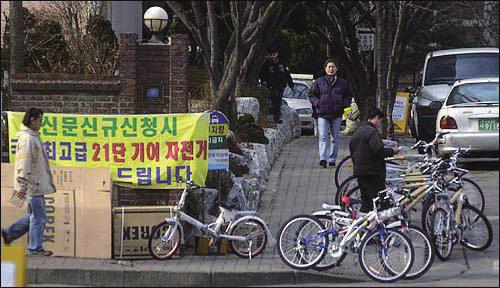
<point>329,96</point>
<point>274,74</point>
<point>368,153</point>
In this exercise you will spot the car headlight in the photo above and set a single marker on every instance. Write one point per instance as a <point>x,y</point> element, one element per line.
<point>304,111</point>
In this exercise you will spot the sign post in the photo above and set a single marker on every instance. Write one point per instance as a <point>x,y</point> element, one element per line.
<point>400,113</point>
<point>218,159</point>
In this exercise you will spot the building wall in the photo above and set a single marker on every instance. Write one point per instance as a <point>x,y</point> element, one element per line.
<point>125,16</point>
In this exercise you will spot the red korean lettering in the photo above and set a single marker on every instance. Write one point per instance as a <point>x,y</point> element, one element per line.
<point>153,151</point>
<point>138,151</point>
<point>118,150</point>
<point>187,150</point>
<point>172,151</point>
<point>202,149</point>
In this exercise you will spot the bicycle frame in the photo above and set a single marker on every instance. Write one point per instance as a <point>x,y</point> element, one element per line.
<point>225,216</point>
<point>361,224</point>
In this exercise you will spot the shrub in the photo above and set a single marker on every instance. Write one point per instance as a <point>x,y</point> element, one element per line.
<point>248,131</point>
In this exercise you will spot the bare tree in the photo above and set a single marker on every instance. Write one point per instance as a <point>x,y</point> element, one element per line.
<point>230,35</point>
<point>395,21</point>
<point>88,53</point>
<point>16,37</point>
<point>342,18</point>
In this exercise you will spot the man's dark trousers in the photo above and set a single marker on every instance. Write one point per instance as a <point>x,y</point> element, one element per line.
<point>369,187</point>
<point>276,101</point>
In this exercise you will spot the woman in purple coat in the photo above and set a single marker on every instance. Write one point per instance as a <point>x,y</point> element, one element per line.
<point>329,96</point>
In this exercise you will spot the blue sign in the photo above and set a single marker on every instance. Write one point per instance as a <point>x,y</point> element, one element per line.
<point>217,117</point>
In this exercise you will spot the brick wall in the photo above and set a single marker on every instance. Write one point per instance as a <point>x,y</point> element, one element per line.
<point>146,197</point>
<point>139,64</point>
<point>81,94</point>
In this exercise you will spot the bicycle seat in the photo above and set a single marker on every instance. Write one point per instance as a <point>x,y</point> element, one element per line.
<point>348,201</point>
<point>394,181</point>
<point>225,205</point>
<point>246,213</point>
<point>327,206</point>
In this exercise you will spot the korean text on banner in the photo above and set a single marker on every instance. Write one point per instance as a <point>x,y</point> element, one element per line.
<point>142,151</point>
<point>400,112</point>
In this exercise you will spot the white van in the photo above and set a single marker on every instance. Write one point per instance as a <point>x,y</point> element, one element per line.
<point>441,69</point>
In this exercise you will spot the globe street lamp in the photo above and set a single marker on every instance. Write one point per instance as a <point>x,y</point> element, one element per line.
<point>155,19</point>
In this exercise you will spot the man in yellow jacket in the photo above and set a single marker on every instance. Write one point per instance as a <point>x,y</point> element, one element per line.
<point>32,179</point>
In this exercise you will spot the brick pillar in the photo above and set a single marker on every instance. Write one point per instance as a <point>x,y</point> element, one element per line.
<point>128,74</point>
<point>179,85</point>
<point>153,69</point>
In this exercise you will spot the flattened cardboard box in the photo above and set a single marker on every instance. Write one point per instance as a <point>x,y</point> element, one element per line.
<point>78,214</point>
<point>138,223</point>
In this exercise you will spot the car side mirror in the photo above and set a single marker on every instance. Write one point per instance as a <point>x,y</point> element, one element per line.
<point>436,105</point>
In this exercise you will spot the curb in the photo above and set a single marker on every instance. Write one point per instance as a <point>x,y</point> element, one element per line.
<point>107,277</point>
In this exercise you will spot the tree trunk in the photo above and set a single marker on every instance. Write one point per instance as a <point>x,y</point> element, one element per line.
<point>16,37</point>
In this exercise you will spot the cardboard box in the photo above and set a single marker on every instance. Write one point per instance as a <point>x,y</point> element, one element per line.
<point>78,214</point>
<point>138,224</point>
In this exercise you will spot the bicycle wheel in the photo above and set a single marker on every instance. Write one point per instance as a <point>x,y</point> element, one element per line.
<point>161,248</point>
<point>424,251</point>
<point>343,170</point>
<point>474,193</point>
<point>255,231</point>
<point>300,244</point>
<point>477,233</point>
<point>428,208</point>
<point>349,183</point>
<point>441,234</point>
<point>388,260</point>
<point>330,261</point>
<point>353,193</point>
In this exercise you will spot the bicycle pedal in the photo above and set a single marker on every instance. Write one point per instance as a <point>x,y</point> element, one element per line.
<point>211,241</point>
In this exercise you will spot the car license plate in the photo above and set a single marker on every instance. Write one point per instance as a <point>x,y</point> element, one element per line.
<point>488,124</point>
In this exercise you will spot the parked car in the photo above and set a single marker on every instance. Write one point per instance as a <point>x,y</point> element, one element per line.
<point>470,115</point>
<point>441,70</point>
<point>299,101</point>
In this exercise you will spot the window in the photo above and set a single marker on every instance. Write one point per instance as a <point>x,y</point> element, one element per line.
<point>302,92</point>
<point>449,68</point>
<point>474,92</point>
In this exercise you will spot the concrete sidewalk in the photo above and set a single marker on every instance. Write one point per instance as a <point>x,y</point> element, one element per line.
<point>297,185</point>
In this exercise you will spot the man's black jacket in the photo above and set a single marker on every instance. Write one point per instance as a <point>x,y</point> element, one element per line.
<point>368,152</point>
<point>275,74</point>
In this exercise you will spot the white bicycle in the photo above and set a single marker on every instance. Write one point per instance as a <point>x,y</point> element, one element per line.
<point>248,234</point>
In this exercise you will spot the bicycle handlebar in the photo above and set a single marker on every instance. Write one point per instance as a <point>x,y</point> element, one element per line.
<point>190,183</point>
<point>426,145</point>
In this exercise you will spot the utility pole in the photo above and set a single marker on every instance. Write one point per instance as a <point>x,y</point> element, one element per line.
<point>16,36</point>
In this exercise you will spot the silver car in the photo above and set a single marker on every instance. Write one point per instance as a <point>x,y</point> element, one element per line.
<point>299,101</point>
<point>470,113</point>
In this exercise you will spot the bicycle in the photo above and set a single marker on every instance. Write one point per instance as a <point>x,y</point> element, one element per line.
<point>454,220</point>
<point>248,234</point>
<point>415,175</point>
<point>345,166</point>
<point>303,241</point>
<point>422,243</point>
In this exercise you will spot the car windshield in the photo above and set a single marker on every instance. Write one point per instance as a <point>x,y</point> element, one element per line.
<point>449,68</point>
<point>474,92</point>
<point>302,92</point>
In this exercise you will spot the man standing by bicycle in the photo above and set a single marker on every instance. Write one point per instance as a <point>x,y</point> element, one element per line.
<point>368,153</point>
<point>274,74</point>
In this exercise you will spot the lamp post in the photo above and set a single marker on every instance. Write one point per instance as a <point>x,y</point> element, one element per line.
<point>155,19</point>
